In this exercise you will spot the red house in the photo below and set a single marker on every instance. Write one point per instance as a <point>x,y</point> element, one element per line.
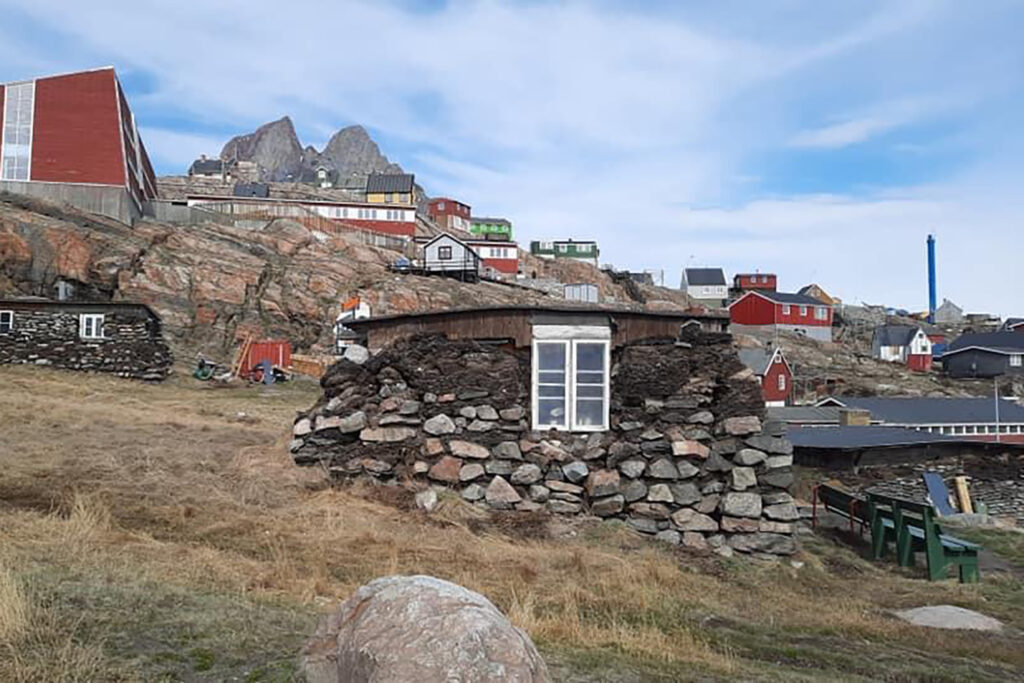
<point>449,213</point>
<point>773,373</point>
<point>747,282</point>
<point>502,256</point>
<point>774,311</point>
<point>73,138</point>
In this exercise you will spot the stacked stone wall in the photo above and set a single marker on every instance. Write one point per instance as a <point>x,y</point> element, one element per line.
<point>687,458</point>
<point>131,347</point>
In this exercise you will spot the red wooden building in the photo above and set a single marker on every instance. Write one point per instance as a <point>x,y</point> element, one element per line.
<point>73,138</point>
<point>449,213</point>
<point>774,311</point>
<point>747,282</point>
<point>502,256</point>
<point>773,373</point>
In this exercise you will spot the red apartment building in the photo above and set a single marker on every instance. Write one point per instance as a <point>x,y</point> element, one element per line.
<point>449,213</point>
<point>502,256</point>
<point>774,311</point>
<point>73,138</point>
<point>747,282</point>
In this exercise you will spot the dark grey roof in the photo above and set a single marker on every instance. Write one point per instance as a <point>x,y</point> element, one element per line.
<point>582,310</point>
<point>804,414</point>
<point>259,190</point>
<point>705,277</point>
<point>852,438</point>
<point>203,166</point>
<point>786,298</point>
<point>1004,342</point>
<point>389,182</point>
<point>756,359</point>
<point>895,335</point>
<point>928,410</point>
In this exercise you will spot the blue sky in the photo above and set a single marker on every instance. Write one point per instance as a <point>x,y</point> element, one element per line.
<point>818,140</point>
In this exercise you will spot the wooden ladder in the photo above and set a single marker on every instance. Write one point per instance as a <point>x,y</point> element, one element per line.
<point>243,353</point>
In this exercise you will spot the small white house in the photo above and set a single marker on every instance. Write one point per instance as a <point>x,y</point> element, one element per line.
<point>448,255</point>
<point>706,285</point>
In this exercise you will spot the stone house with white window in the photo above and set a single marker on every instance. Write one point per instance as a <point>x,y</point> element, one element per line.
<point>642,416</point>
<point>117,337</point>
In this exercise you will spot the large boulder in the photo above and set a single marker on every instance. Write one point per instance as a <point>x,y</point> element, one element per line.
<point>417,628</point>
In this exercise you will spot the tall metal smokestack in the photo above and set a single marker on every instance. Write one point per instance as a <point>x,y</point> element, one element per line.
<point>931,279</point>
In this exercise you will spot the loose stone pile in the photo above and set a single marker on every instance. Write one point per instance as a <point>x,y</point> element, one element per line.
<point>131,347</point>
<point>687,459</point>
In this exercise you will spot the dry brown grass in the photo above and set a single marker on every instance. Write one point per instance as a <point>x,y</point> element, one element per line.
<point>117,495</point>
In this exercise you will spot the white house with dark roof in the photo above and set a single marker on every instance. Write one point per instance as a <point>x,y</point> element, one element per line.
<point>906,344</point>
<point>706,285</point>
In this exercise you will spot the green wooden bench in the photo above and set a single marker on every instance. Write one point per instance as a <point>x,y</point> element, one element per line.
<point>912,527</point>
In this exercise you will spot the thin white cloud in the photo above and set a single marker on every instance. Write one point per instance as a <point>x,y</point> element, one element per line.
<point>843,134</point>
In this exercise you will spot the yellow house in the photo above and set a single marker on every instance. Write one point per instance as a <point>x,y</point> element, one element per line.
<point>816,292</point>
<point>390,188</point>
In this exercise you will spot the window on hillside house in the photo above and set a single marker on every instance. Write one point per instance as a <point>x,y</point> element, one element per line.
<point>6,321</point>
<point>803,311</point>
<point>570,384</point>
<point>782,382</point>
<point>786,309</point>
<point>1015,360</point>
<point>90,326</point>
<point>820,313</point>
<point>440,206</point>
<point>444,253</point>
<point>563,248</point>
<point>388,197</point>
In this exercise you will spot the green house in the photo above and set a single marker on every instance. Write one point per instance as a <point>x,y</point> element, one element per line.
<point>491,228</point>
<point>580,250</point>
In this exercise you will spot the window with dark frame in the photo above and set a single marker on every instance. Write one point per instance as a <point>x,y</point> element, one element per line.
<point>444,253</point>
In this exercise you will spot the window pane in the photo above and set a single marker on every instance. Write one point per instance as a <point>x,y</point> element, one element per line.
<point>545,390</point>
<point>550,411</point>
<point>550,356</point>
<point>589,413</point>
<point>590,357</point>
<point>590,391</point>
<point>590,378</point>
<point>551,377</point>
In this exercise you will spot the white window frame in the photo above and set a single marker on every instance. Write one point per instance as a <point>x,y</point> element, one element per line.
<point>6,320</point>
<point>782,382</point>
<point>570,343</point>
<point>820,313</point>
<point>97,320</point>
<point>1016,360</point>
<point>786,309</point>
<point>803,311</point>
<point>7,144</point>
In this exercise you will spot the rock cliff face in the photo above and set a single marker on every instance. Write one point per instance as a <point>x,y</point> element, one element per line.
<point>276,149</point>
<point>211,283</point>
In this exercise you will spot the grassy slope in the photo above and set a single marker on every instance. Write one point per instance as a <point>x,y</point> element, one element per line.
<point>153,533</point>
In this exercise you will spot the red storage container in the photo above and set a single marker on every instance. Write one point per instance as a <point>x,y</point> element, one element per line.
<point>277,351</point>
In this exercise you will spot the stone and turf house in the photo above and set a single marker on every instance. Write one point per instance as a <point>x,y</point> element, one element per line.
<point>646,417</point>
<point>117,337</point>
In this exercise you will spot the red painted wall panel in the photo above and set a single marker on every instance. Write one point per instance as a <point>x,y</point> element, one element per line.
<point>503,265</point>
<point>794,317</point>
<point>921,362</point>
<point>752,310</point>
<point>76,135</point>
<point>387,227</point>
<point>770,383</point>
<point>747,281</point>
<point>277,351</point>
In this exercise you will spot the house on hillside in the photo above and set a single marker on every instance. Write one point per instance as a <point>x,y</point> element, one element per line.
<point>391,188</point>
<point>751,282</point>
<point>326,178</point>
<point>706,285</point>
<point>985,354</point>
<point>450,256</point>
<point>449,214</point>
<point>499,256</point>
<point>816,292</point>
<point>72,138</point>
<point>491,228</point>
<point>905,344</point>
<point>251,190</point>
<point>773,373</point>
<point>207,168</point>
<point>585,251</point>
<point>121,338</point>
<point>771,312</point>
<point>948,313</point>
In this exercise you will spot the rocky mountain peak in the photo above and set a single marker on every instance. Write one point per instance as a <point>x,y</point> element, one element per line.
<point>276,149</point>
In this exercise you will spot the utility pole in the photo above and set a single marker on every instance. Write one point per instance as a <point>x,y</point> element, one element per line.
<point>995,393</point>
